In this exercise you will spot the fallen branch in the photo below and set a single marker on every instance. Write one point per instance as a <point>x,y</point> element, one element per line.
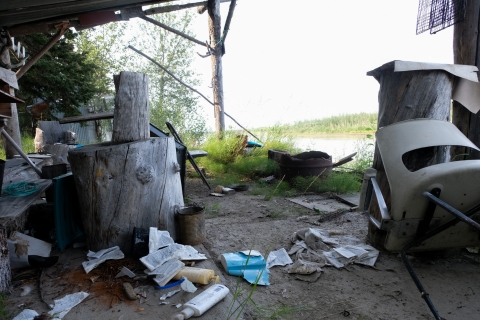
<point>233,3</point>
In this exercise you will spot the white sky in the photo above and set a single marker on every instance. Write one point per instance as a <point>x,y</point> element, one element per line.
<point>288,61</point>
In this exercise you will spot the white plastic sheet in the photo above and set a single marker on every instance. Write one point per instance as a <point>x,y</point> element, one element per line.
<point>96,258</point>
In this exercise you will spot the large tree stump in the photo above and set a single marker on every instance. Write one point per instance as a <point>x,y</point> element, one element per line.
<point>404,96</point>
<point>5,273</point>
<point>130,182</point>
<point>127,185</point>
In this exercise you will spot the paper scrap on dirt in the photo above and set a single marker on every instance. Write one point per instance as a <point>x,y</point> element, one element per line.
<point>278,258</point>
<point>158,239</point>
<point>249,264</point>
<point>320,204</point>
<point>167,271</point>
<point>62,306</point>
<point>125,272</point>
<point>315,248</point>
<point>159,257</point>
<point>96,258</point>
<point>26,314</point>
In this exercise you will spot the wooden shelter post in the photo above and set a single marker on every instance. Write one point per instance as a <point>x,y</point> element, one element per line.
<point>465,51</point>
<point>214,26</point>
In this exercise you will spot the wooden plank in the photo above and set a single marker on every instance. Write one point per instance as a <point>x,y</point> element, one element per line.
<point>6,97</point>
<point>10,208</point>
<point>198,153</point>
<point>8,77</point>
<point>87,117</point>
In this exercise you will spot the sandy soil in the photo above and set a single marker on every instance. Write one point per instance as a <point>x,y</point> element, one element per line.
<point>242,221</point>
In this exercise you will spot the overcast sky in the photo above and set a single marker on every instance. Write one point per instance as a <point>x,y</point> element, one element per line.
<point>288,61</point>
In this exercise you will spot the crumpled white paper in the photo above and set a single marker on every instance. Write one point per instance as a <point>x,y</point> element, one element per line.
<point>96,258</point>
<point>62,306</point>
<point>278,258</point>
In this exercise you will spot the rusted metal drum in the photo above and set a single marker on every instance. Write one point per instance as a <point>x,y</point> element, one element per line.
<point>305,164</point>
<point>191,224</point>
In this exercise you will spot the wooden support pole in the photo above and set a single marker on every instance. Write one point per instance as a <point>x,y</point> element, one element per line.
<point>39,54</point>
<point>164,26</point>
<point>214,26</point>
<point>465,51</point>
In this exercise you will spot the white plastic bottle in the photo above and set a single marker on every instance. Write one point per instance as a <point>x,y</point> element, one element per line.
<point>201,303</point>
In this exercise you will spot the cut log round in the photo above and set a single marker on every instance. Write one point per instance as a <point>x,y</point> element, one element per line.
<point>405,96</point>
<point>127,185</point>
<point>131,120</point>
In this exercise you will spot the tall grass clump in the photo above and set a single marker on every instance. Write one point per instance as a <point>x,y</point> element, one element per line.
<point>27,145</point>
<point>365,149</point>
<point>228,158</point>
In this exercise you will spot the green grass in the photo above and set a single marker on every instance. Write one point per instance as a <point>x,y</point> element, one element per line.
<point>342,124</point>
<point>3,302</point>
<point>27,146</point>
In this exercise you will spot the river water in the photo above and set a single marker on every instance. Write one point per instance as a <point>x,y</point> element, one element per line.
<point>338,146</point>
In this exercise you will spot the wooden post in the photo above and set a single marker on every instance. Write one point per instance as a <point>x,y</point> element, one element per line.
<point>465,51</point>
<point>404,96</point>
<point>214,26</point>
<point>133,181</point>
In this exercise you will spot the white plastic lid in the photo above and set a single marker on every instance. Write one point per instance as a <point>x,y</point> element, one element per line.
<point>188,313</point>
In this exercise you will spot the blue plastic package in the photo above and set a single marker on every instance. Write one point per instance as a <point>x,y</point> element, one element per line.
<point>248,264</point>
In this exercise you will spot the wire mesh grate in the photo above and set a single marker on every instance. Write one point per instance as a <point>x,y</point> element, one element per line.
<point>436,15</point>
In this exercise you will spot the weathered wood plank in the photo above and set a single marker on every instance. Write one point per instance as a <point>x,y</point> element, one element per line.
<point>5,273</point>
<point>87,117</point>
<point>11,208</point>
<point>131,116</point>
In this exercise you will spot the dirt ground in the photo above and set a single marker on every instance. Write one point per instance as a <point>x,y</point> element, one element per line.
<point>243,221</point>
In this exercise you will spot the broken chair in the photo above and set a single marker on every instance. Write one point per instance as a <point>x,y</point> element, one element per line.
<point>428,204</point>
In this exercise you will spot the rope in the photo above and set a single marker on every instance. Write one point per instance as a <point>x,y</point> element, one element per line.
<point>20,189</point>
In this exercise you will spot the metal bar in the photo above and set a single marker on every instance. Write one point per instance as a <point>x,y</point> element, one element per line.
<point>452,210</point>
<point>19,150</point>
<point>425,223</point>
<point>189,157</point>
<point>380,200</point>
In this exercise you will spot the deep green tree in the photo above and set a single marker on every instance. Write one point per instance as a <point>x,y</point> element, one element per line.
<point>61,77</point>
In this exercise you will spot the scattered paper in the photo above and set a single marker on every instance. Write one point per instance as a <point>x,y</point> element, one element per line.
<point>125,272</point>
<point>101,256</point>
<point>188,286</point>
<point>159,257</point>
<point>190,253</point>
<point>26,314</point>
<point>167,271</point>
<point>158,239</point>
<point>169,294</point>
<point>278,258</point>
<point>62,306</point>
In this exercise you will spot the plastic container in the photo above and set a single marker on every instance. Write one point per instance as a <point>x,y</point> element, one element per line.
<point>201,303</point>
<point>197,275</point>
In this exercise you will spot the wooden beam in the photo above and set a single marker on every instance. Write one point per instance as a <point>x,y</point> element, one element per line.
<point>164,26</point>
<point>87,117</point>
<point>40,53</point>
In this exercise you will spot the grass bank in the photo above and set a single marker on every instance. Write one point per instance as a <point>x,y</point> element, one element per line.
<point>228,163</point>
<point>357,123</point>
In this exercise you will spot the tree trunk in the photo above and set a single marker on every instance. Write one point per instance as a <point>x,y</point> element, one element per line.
<point>214,26</point>
<point>127,185</point>
<point>13,128</point>
<point>134,180</point>
<point>5,273</point>
<point>465,51</point>
<point>404,96</point>
<point>131,116</point>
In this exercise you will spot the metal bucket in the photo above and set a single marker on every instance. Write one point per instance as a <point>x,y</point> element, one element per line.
<point>2,168</point>
<point>191,224</point>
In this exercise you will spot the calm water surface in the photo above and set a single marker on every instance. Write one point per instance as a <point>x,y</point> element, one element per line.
<point>338,146</point>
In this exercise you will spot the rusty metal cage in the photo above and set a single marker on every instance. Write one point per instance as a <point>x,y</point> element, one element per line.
<point>436,15</point>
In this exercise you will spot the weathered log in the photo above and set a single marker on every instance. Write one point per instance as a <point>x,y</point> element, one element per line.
<point>404,96</point>
<point>131,116</point>
<point>127,185</point>
<point>465,51</point>
<point>5,273</point>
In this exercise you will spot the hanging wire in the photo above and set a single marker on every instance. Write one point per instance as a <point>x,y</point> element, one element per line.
<point>20,189</point>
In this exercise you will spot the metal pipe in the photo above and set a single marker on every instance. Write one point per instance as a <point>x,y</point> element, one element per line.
<point>380,200</point>
<point>19,150</point>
